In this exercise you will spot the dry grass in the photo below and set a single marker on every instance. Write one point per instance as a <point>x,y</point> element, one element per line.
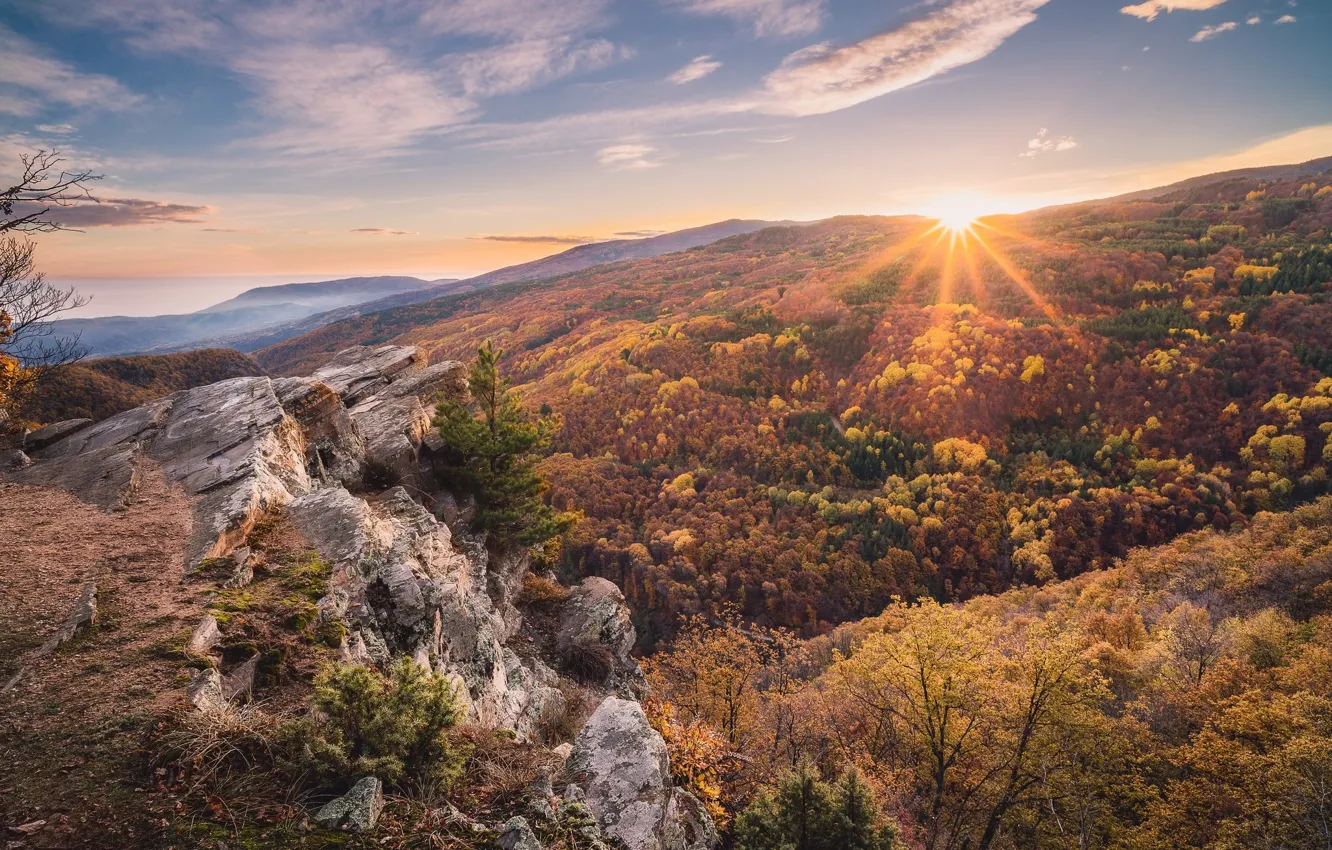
<point>587,659</point>
<point>541,593</point>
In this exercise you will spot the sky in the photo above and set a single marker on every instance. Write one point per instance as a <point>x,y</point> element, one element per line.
<point>245,142</point>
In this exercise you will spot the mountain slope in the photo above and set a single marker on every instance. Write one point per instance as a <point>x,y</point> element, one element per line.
<point>807,421</point>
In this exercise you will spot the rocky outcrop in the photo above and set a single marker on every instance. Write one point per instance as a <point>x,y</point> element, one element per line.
<point>230,445</point>
<point>596,617</point>
<point>347,455</point>
<point>243,446</point>
<point>620,769</point>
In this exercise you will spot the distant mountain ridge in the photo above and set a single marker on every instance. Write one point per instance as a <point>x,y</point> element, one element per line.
<point>325,295</point>
<point>566,262</point>
<point>267,315</point>
<point>253,309</point>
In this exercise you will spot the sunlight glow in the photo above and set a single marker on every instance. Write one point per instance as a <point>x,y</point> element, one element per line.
<point>958,211</point>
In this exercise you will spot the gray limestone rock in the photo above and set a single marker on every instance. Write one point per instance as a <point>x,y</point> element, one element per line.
<point>357,810</point>
<point>620,770</point>
<point>516,834</point>
<point>205,691</point>
<point>360,372</point>
<point>335,450</point>
<point>205,636</point>
<point>238,684</point>
<point>596,613</point>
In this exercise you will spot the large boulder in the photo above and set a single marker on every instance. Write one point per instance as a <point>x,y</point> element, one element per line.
<point>620,770</point>
<point>596,617</point>
<point>396,419</point>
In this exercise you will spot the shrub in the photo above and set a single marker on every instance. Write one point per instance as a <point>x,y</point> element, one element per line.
<point>395,727</point>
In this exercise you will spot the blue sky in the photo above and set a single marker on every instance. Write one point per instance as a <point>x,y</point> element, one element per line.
<point>445,137</point>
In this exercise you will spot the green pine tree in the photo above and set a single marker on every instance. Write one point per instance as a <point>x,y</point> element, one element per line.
<point>805,813</point>
<point>492,448</point>
<point>853,824</point>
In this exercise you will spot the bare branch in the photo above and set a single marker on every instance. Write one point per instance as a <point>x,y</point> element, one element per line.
<point>44,184</point>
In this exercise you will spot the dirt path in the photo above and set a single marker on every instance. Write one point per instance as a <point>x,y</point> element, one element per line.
<point>71,727</point>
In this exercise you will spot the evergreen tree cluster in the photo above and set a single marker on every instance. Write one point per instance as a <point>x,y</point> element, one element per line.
<point>804,813</point>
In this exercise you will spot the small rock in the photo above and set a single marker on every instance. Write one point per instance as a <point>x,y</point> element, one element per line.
<point>29,828</point>
<point>357,810</point>
<point>239,683</point>
<point>206,635</point>
<point>562,752</point>
<point>84,613</point>
<point>205,692</point>
<point>454,817</point>
<point>14,460</point>
<point>516,834</point>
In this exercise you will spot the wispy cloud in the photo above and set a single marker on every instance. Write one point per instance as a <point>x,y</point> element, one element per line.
<point>382,231</point>
<point>1209,33</point>
<point>537,240</point>
<point>1253,20</point>
<point>360,77</point>
<point>1150,9</point>
<point>825,79</point>
<point>628,157</point>
<point>1286,19</point>
<point>121,212</point>
<point>639,234</point>
<point>697,69</point>
<point>346,97</point>
<point>1045,143</point>
<point>769,18</point>
<point>35,80</point>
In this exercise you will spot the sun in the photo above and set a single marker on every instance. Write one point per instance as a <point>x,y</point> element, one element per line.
<point>958,212</point>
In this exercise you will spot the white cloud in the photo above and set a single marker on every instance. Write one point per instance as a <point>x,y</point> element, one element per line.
<point>772,18</point>
<point>1286,19</point>
<point>346,97</point>
<point>1043,143</point>
<point>520,65</point>
<point>628,157</point>
<point>365,77</point>
<point>1253,20</point>
<point>697,69</point>
<point>37,81</point>
<point>1208,33</point>
<point>1151,8</point>
<point>823,79</point>
<point>516,19</point>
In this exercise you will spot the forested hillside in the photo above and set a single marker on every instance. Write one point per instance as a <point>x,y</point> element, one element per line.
<point>96,389</point>
<point>1179,700</point>
<point>808,421</point>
